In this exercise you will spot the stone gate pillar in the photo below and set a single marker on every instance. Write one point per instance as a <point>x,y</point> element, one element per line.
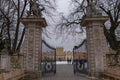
<point>96,43</point>
<point>31,47</point>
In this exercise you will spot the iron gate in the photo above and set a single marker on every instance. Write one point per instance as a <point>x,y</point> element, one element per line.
<point>80,66</point>
<point>48,62</point>
<point>79,61</point>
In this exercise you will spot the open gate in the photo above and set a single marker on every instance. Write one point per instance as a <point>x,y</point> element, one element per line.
<point>80,66</point>
<point>79,61</point>
<point>48,62</point>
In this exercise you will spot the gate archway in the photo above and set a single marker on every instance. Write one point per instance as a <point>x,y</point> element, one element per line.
<point>96,45</point>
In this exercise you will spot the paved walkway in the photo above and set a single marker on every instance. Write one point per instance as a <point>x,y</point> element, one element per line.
<point>65,72</point>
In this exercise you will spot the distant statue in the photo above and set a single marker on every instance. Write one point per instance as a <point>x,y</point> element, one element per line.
<point>34,9</point>
<point>91,8</point>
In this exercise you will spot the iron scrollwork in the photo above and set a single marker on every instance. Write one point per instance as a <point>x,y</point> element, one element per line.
<point>80,65</point>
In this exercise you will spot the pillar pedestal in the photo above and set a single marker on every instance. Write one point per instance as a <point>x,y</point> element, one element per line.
<point>96,44</point>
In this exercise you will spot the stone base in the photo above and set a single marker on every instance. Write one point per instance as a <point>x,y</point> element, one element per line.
<point>96,75</point>
<point>32,75</point>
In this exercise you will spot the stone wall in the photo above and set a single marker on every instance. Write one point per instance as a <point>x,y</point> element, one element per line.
<point>5,62</point>
<point>14,74</point>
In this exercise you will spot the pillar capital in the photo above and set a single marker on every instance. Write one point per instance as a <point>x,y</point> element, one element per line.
<point>38,21</point>
<point>86,20</point>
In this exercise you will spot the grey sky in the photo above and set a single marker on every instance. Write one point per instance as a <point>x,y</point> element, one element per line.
<point>66,39</point>
<point>63,6</point>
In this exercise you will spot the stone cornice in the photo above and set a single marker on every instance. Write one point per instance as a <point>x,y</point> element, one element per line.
<point>39,21</point>
<point>87,20</point>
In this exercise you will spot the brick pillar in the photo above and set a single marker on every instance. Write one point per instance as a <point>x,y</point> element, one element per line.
<point>32,47</point>
<point>96,44</point>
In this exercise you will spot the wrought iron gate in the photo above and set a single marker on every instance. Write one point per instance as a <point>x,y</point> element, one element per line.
<point>79,62</point>
<point>80,66</point>
<point>48,63</point>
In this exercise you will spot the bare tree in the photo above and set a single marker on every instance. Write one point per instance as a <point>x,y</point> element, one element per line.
<point>113,11</point>
<point>12,11</point>
<point>110,8</point>
<point>5,10</point>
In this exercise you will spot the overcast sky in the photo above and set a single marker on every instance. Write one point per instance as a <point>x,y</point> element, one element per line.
<point>63,6</point>
<point>54,39</point>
